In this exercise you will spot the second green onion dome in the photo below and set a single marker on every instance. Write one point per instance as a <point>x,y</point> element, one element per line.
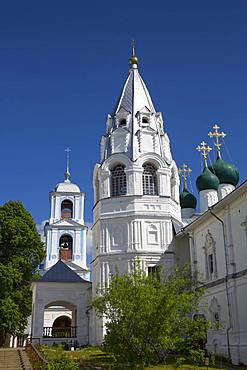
<point>187,200</point>
<point>207,180</point>
<point>226,173</point>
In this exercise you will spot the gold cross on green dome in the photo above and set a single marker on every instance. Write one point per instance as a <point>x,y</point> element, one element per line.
<point>217,135</point>
<point>204,149</point>
<point>184,171</point>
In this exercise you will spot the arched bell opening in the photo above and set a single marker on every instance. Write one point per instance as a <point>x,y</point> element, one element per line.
<point>66,209</point>
<point>149,179</point>
<point>65,247</point>
<point>118,181</point>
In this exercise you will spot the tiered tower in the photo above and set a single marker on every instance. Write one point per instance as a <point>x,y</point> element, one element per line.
<point>136,188</point>
<point>65,231</point>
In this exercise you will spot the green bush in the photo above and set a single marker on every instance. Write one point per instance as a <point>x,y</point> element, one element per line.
<point>148,317</point>
<point>61,361</point>
<point>197,356</point>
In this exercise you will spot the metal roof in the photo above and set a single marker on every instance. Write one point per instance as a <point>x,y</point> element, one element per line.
<point>61,273</point>
<point>135,95</point>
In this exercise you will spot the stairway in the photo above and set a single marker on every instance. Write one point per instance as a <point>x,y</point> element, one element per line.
<point>14,359</point>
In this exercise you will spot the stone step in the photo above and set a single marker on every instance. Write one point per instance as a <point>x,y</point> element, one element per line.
<point>14,359</point>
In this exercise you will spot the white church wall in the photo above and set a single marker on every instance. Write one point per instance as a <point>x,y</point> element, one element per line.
<point>76,295</point>
<point>241,304</point>
<point>224,190</point>
<point>206,237</point>
<point>238,231</point>
<point>122,234</point>
<point>149,206</point>
<point>209,230</point>
<point>182,251</point>
<point>119,140</point>
<point>217,336</point>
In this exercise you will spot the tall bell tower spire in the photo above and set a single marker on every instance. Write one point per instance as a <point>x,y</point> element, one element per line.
<point>136,188</point>
<point>135,127</point>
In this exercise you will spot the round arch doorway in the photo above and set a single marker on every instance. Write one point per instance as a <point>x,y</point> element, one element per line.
<point>62,327</point>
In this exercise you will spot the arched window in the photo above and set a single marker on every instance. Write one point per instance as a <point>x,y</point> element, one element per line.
<point>65,247</point>
<point>210,257</point>
<point>149,180</point>
<point>118,181</point>
<point>122,123</point>
<point>66,209</point>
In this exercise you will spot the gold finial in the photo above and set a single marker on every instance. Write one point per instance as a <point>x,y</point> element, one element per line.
<point>184,172</point>
<point>67,173</point>
<point>217,135</point>
<point>133,60</point>
<point>205,150</point>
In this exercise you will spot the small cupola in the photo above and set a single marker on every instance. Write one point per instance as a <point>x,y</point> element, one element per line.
<point>207,180</point>
<point>187,199</point>
<point>67,186</point>
<point>207,183</point>
<point>227,173</point>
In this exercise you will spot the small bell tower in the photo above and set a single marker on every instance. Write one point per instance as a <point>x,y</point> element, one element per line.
<point>65,232</point>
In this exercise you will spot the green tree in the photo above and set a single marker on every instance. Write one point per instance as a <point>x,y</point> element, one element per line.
<point>147,318</point>
<point>21,250</point>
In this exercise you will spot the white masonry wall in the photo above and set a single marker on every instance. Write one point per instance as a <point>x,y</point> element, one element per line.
<point>227,300</point>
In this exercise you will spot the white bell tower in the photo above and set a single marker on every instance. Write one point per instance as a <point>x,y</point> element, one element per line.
<point>136,188</point>
<point>65,232</point>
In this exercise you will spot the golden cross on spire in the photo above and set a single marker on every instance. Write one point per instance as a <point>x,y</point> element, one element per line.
<point>67,173</point>
<point>133,60</point>
<point>217,135</point>
<point>204,149</point>
<point>184,172</point>
<point>133,47</point>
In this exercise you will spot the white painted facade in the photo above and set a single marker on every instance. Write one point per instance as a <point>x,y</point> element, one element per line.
<point>137,218</point>
<point>63,296</point>
<point>57,226</point>
<point>132,224</point>
<point>208,198</point>
<point>218,251</point>
<point>73,299</point>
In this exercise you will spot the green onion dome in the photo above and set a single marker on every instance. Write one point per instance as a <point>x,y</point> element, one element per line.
<point>226,173</point>
<point>187,200</point>
<point>207,180</point>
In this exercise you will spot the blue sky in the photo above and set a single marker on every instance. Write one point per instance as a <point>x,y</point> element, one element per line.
<point>63,63</point>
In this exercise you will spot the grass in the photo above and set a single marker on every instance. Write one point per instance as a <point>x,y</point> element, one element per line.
<point>95,358</point>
